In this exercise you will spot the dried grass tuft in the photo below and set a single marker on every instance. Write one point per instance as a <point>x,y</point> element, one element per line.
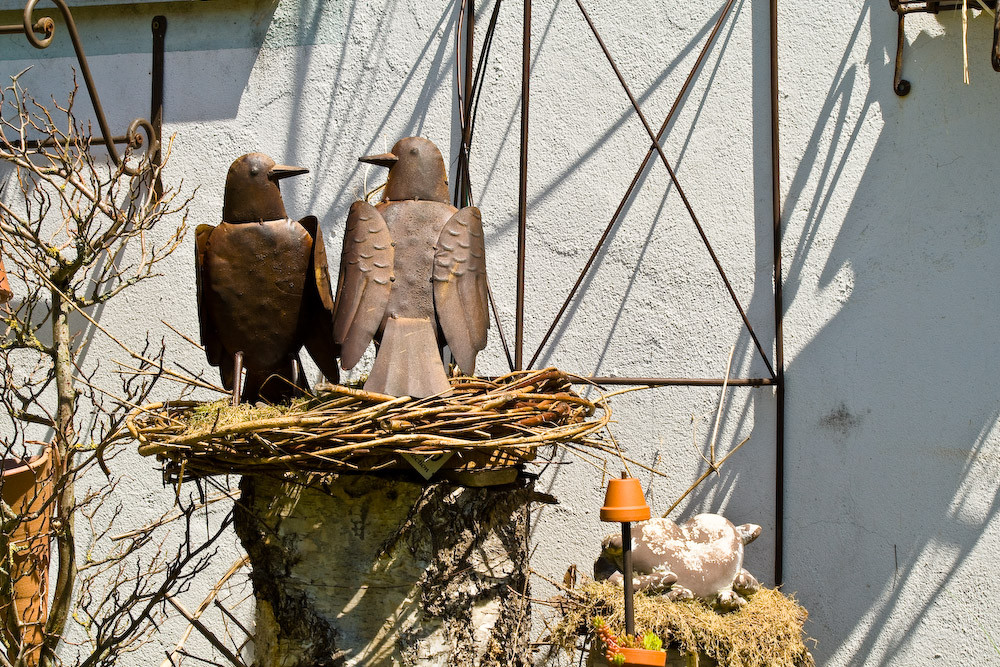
<point>767,632</point>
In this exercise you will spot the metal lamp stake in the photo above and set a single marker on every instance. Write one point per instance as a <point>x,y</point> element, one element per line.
<point>627,571</point>
<point>624,503</point>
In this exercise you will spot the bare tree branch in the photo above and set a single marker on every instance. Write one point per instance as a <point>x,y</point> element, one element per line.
<point>78,232</point>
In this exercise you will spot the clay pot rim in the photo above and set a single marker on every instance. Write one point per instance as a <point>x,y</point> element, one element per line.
<point>623,514</point>
<point>30,464</point>
<point>6,294</point>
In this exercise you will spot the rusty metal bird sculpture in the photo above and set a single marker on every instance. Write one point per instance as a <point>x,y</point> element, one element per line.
<point>263,286</point>
<point>412,277</point>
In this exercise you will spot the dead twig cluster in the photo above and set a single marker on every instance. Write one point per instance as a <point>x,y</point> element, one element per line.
<point>77,233</point>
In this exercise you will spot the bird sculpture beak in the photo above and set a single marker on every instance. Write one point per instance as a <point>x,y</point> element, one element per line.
<point>384,160</point>
<point>280,171</point>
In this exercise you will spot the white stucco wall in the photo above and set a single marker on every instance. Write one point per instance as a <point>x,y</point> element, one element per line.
<point>889,250</point>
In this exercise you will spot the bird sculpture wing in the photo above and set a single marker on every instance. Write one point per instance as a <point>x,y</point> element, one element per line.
<point>461,297</point>
<point>209,334</point>
<point>318,306</point>
<point>366,265</point>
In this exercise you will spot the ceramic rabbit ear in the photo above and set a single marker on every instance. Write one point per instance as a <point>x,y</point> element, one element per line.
<point>5,293</point>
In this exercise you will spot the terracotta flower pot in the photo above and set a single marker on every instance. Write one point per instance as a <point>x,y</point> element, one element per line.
<point>641,656</point>
<point>5,293</point>
<point>635,656</point>
<point>27,485</point>
<point>624,501</point>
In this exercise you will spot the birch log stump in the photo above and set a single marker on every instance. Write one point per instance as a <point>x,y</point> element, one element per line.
<point>373,571</point>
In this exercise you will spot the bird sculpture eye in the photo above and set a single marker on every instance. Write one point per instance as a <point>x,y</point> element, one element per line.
<point>254,171</point>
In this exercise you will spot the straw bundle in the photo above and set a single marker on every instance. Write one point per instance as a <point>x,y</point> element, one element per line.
<point>485,423</point>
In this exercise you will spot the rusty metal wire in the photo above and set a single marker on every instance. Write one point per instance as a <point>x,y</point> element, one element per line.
<point>45,26</point>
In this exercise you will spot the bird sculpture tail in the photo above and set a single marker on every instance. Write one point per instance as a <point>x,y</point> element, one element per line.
<point>408,362</point>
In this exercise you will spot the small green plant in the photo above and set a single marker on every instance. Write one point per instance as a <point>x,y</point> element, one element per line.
<point>614,643</point>
<point>610,641</point>
<point>651,642</point>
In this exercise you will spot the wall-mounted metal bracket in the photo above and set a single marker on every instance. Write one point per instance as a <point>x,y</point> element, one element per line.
<point>45,27</point>
<point>904,7</point>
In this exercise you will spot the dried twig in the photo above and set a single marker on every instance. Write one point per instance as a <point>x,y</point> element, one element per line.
<point>722,402</point>
<point>212,594</point>
<point>713,465</point>
<point>704,476</point>
<point>208,634</point>
<point>965,41</point>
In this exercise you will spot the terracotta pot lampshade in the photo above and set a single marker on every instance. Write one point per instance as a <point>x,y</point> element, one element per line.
<point>5,293</point>
<point>27,486</point>
<point>624,501</point>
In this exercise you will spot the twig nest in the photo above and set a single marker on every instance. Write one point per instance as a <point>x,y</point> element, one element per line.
<point>480,424</point>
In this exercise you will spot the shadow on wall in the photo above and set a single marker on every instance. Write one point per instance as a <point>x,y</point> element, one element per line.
<point>206,71</point>
<point>893,450</point>
<point>619,318</point>
<point>215,50</point>
<point>354,97</point>
<point>745,485</point>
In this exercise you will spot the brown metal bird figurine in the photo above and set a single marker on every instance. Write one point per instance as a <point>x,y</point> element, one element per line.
<point>263,286</point>
<point>5,292</point>
<point>412,277</point>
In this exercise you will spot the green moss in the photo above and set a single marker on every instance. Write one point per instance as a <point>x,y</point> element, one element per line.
<point>209,416</point>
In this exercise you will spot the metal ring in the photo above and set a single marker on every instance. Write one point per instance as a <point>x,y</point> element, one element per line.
<point>135,140</point>
<point>46,24</point>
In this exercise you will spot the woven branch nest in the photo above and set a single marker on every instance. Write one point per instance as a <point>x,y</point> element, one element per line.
<point>484,423</point>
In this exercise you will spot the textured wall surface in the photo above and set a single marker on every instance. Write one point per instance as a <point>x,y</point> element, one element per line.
<point>890,252</point>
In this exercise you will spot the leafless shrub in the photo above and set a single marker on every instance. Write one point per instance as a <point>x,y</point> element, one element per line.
<point>76,233</point>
